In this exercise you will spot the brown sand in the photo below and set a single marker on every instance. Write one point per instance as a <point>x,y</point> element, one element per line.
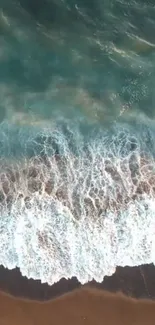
<point>83,306</point>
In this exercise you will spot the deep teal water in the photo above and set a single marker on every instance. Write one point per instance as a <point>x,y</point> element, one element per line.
<point>92,60</point>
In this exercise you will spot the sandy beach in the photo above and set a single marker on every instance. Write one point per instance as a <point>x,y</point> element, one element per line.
<point>82,306</point>
<point>136,282</point>
<point>28,302</point>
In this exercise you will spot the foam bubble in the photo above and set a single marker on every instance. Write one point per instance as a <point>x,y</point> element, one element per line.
<point>80,204</point>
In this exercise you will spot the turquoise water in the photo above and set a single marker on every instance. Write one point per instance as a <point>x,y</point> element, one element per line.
<point>77,129</point>
<point>77,60</point>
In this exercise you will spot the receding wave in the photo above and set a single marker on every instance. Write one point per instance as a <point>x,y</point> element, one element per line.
<point>76,201</point>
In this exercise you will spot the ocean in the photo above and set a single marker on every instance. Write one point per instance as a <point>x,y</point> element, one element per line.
<point>77,133</point>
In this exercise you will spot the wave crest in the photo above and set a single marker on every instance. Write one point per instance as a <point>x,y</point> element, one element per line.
<point>80,204</point>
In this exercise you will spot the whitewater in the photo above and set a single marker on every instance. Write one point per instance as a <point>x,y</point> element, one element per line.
<point>76,200</point>
<point>77,149</point>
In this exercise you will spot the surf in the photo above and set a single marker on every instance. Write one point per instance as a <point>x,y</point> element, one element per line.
<point>76,199</point>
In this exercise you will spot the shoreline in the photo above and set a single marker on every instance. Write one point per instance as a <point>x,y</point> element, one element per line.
<point>137,282</point>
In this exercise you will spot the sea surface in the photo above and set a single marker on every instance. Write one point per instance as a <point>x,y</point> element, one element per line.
<point>77,137</point>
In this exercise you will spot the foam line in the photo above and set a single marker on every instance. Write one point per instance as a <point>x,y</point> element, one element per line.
<point>76,202</point>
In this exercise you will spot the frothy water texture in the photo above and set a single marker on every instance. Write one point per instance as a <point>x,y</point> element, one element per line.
<point>77,203</point>
<point>77,130</point>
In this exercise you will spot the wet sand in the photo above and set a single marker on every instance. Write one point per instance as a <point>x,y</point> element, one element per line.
<point>136,282</point>
<point>83,306</point>
<point>29,302</point>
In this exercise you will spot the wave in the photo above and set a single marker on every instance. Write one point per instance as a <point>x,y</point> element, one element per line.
<point>76,200</point>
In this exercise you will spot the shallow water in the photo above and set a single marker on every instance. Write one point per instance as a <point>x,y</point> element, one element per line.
<point>76,137</point>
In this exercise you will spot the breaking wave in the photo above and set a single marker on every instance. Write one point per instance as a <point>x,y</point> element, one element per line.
<point>76,201</point>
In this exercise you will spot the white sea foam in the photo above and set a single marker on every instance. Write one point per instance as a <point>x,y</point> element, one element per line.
<point>82,212</point>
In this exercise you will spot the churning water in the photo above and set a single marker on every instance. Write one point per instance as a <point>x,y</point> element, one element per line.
<point>77,148</point>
